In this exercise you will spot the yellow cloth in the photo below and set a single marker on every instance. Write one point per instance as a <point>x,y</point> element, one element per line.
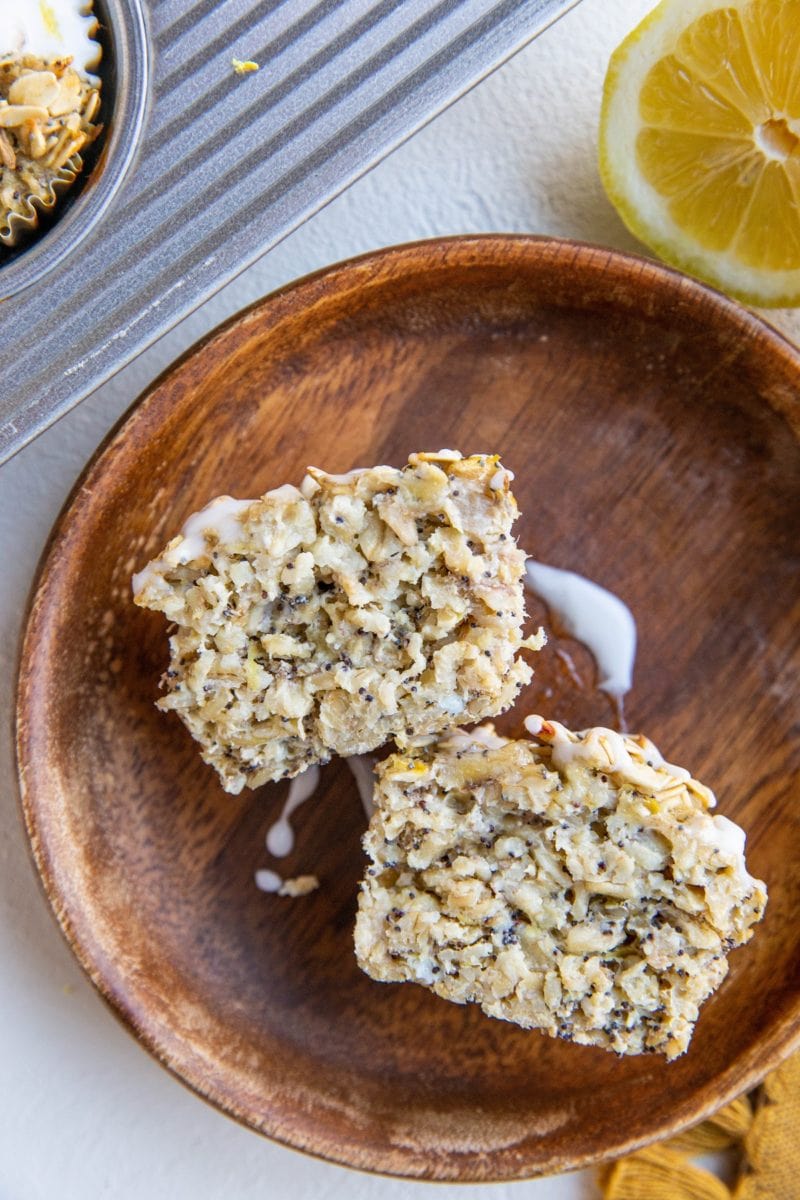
<point>763,1129</point>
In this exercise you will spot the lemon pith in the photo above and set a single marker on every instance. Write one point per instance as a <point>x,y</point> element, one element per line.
<point>700,142</point>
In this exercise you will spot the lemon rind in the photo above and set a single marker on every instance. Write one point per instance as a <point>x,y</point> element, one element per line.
<point>641,207</point>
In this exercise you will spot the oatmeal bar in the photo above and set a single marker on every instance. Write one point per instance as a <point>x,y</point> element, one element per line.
<point>576,884</point>
<point>330,618</point>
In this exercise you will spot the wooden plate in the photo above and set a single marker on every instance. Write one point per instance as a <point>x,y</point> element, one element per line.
<point>653,428</point>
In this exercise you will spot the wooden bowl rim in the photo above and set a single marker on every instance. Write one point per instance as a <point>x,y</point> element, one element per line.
<point>372,268</point>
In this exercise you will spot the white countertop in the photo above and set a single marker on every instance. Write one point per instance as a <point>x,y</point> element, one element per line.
<point>84,1112</point>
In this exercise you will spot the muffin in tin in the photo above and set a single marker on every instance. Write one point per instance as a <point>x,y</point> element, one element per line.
<point>49,113</point>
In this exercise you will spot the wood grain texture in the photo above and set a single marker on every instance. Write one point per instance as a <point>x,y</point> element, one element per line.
<point>653,429</point>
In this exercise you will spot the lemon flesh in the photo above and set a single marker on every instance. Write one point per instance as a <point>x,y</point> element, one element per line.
<point>700,142</point>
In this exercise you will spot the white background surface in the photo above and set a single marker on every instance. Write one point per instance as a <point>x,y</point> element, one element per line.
<point>84,1112</point>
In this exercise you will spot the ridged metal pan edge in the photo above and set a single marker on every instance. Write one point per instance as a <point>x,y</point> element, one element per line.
<point>205,171</point>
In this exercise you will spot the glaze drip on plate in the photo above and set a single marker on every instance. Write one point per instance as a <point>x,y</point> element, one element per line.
<point>280,835</point>
<point>592,615</point>
<point>362,768</point>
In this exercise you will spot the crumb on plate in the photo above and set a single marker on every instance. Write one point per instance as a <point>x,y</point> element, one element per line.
<point>244,66</point>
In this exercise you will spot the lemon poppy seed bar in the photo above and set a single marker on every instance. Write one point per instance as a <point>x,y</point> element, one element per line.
<point>575,883</point>
<point>330,618</point>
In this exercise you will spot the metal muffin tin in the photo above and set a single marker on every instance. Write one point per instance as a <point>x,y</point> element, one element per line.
<point>203,170</point>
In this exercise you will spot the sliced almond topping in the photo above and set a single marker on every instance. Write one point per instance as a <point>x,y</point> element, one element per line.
<point>40,141</point>
<point>67,152</point>
<point>68,96</point>
<point>36,142</point>
<point>14,115</point>
<point>92,105</point>
<point>7,151</point>
<point>35,87</point>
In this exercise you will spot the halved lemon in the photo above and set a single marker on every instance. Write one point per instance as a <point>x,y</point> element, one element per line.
<point>700,142</point>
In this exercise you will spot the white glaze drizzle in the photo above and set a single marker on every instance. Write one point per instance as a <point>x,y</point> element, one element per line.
<point>569,665</point>
<point>717,831</point>
<point>222,517</point>
<point>595,617</point>
<point>300,885</point>
<point>268,881</point>
<point>280,835</point>
<point>725,836</point>
<point>362,768</point>
<point>50,29</point>
<point>723,833</point>
<point>601,743</point>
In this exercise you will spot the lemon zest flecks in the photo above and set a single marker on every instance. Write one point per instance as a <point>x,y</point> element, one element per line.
<point>49,19</point>
<point>244,66</point>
